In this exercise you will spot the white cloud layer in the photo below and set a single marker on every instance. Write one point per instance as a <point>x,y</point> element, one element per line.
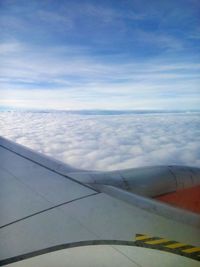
<point>108,142</point>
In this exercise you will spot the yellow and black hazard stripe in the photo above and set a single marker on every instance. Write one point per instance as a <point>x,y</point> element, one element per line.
<point>164,244</point>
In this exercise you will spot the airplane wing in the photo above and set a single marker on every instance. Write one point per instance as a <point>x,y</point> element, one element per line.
<point>54,215</point>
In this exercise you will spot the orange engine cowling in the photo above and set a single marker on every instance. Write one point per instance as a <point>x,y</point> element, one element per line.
<point>188,198</point>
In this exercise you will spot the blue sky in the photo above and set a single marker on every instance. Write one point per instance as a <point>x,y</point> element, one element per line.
<point>100,54</point>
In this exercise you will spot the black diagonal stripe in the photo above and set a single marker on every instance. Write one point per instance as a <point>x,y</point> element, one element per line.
<point>45,210</point>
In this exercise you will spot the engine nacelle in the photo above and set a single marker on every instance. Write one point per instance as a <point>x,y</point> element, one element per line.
<point>146,181</point>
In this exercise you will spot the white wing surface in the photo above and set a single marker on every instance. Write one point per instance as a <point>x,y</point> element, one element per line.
<point>49,217</point>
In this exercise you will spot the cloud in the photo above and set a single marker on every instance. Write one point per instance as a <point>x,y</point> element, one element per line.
<point>108,142</point>
<point>131,51</point>
<point>161,40</point>
<point>41,75</point>
<point>60,22</point>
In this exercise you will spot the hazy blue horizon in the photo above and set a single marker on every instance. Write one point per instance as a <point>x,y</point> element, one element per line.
<point>100,111</point>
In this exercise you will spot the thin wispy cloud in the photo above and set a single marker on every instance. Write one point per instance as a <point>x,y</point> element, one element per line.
<point>28,74</point>
<point>90,50</point>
